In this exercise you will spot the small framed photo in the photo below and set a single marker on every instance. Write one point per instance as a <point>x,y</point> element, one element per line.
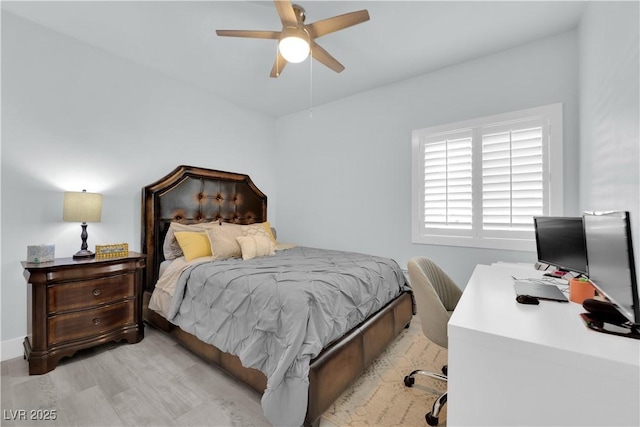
<point>112,251</point>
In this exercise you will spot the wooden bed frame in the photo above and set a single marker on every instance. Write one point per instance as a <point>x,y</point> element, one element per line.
<point>190,195</point>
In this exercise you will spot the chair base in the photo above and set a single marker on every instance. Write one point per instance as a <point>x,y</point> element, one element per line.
<point>409,381</point>
<point>431,420</point>
<point>432,417</point>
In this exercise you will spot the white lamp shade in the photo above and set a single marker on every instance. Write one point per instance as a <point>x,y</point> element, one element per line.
<point>294,49</point>
<point>82,207</point>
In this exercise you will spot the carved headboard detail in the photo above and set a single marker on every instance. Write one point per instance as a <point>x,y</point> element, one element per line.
<point>190,195</point>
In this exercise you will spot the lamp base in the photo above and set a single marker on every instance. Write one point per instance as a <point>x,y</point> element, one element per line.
<point>83,254</point>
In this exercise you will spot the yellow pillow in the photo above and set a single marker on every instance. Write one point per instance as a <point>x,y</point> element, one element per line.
<point>193,244</point>
<point>255,246</point>
<point>171,247</point>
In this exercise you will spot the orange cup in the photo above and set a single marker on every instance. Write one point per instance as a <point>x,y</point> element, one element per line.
<point>580,290</point>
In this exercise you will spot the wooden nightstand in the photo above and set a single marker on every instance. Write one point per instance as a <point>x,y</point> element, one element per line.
<point>76,304</point>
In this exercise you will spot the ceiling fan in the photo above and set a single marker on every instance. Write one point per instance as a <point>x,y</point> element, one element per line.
<point>297,39</point>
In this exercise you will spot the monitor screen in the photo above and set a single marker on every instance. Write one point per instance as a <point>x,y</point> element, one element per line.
<point>560,242</point>
<point>611,265</point>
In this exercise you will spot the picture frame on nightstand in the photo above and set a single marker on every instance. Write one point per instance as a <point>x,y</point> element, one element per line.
<point>112,251</point>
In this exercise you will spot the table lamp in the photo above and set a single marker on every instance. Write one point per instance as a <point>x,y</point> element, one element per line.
<point>82,207</point>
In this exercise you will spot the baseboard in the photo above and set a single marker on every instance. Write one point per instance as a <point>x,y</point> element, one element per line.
<point>10,349</point>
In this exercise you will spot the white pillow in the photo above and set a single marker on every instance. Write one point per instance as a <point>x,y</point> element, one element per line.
<point>256,246</point>
<point>259,229</point>
<point>223,241</point>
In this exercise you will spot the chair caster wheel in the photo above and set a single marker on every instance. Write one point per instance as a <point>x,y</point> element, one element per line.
<point>409,381</point>
<point>431,420</point>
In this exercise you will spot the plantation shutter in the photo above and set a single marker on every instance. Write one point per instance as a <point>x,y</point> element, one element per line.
<point>448,181</point>
<point>512,175</point>
<point>479,182</point>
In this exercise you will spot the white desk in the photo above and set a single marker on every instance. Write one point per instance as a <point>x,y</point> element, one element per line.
<point>514,364</point>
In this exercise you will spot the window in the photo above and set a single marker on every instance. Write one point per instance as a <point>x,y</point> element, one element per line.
<point>479,183</point>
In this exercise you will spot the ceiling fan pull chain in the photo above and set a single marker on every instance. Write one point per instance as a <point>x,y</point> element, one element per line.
<point>310,84</point>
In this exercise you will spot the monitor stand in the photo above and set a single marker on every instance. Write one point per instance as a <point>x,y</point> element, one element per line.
<point>592,321</point>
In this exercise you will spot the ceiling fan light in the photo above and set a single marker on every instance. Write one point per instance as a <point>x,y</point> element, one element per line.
<point>294,49</point>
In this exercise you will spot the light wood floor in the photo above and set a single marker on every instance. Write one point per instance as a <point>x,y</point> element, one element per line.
<point>153,383</point>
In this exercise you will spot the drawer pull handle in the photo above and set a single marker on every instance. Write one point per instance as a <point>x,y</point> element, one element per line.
<point>96,292</point>
<point>96,321</point>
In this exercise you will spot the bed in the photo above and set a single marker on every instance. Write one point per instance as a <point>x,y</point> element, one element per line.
<point>192,195</point>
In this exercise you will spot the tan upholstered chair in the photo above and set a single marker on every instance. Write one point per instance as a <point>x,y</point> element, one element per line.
<point>436,296</point>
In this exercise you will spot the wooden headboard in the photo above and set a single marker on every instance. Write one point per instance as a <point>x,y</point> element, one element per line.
<point>190,195</point>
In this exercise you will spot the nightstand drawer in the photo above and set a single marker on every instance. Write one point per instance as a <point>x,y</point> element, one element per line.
<point>89,293</point>
<point>88,323</point>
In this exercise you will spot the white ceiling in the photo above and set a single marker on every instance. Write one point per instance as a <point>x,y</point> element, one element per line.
<point>403,39</point>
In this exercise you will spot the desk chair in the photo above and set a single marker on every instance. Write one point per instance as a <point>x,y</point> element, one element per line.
<point>436,296</point>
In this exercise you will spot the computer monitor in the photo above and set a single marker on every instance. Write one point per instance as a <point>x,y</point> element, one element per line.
<point>560,242</point>
<point>611,265</point>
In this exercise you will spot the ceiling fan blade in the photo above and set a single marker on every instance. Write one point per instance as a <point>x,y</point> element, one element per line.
<point>330,25</point>
<point>278,66</point>
<point>286,13</point>
<point>249,34</point>
<point>318,52</point>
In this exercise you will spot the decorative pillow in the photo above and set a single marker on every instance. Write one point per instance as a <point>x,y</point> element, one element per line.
<point>170,246</point>
<point>259,229</point>
<point>223,241</point>
<point>193,244</point>
<point>255,246</point>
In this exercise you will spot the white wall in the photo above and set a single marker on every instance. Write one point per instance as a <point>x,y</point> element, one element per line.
<point>609,110</point>
<point>344,175</point>
<point>75,117</point>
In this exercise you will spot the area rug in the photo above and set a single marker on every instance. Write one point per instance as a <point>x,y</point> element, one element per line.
<point>379,397</point>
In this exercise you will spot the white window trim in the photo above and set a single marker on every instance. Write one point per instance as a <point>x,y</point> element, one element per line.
<point>553,155</point>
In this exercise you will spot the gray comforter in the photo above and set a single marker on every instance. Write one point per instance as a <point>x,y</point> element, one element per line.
<point>276,313</point>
